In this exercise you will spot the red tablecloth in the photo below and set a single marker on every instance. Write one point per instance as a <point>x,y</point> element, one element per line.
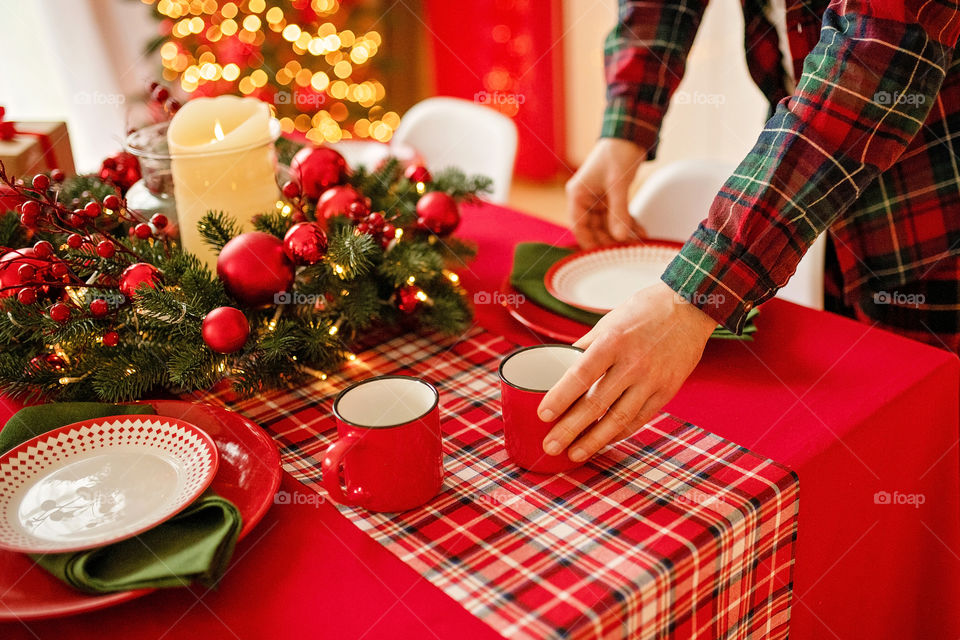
<point>868,420</point>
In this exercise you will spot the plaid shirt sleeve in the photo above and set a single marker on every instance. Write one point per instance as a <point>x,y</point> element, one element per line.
<point>644,60</point>
<point>866,90</point>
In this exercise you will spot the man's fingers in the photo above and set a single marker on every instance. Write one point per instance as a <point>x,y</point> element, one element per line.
<point>620,419</point>
<point>589,368</point>
<point>622,225</point>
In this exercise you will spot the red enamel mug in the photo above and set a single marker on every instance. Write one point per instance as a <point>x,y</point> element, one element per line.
<point>525,377</point>
<point>388,454</point>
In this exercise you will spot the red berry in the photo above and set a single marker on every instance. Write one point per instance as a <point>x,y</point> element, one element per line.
<point>111,202</point>
<point>375,219</point>
<point>75,219</point>
<point>143,231</point>
<point>28,220</point>
<point>74,241</point>
<point>43,249</point>
<point>105,249</point>
<point>358,210</point>
<point>60,313</point>
<point>57,175</point>
<point>99,307</point>
<point>92,209</point>
<point>27,296</point>
<point>159,220</point>
<point>59,269</point>
<point>26,272</point>
<point>30,208</point>
<point>110,339</point>
<point>389,231</point>
<point>41,182</point>
<point>291,189</point>
<point>363,227</point>
<point>160,93</point>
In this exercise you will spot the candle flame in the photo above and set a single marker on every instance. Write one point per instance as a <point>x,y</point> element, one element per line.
<point>217,131</point>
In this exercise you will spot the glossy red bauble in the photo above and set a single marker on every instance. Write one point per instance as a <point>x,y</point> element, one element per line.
<point>110,339</point>
<point>305,243</point>
<point>60,312</point>
<point>99,308</point>
<point>408,298</point>
<point>336,201</point>
<point>438,212</point>
<point>417,173</point>
<point>225,329</point>
<point>106,249</point>
<point>254,268</point>
<point>10,265</point>
<point>140,274</point>
<point>316,169</point>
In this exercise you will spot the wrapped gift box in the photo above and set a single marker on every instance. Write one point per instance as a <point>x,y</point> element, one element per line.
<point>29,148</point>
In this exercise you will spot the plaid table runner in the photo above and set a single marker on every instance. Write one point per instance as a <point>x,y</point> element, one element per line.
<point>673,533</point>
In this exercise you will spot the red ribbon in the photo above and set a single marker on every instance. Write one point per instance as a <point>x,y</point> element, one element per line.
<point>8,131</point>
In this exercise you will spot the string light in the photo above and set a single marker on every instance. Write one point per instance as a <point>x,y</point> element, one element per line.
<point>203,31</point>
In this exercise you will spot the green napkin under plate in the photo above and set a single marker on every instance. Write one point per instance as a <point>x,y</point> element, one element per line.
<point>194,545</point>
<point>532,260</point>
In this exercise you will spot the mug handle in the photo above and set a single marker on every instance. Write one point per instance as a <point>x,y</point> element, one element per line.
<point>331,472</point>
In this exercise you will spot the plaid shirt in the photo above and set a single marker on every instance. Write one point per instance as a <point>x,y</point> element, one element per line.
<point>864,146</point>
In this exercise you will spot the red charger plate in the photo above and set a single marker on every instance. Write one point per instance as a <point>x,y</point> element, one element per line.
<point>248,476</point>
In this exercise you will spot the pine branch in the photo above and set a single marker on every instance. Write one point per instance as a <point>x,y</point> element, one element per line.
<point>273,223</point>
<point>411,259</point>
<point>11,232</point>
<point>217,229</point>
<point>361,304</point>
<point>458,185</point>
<point>352,251</point>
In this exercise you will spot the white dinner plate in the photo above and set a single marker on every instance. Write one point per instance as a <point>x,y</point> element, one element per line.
<point>600,279</point>
<point>99,481</point>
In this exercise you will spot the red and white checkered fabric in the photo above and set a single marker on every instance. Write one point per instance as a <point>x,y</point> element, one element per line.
<point>672,533</point>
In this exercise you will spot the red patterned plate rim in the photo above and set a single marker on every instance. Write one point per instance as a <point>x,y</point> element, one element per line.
<point>539,319</point>
<point>179,445</point>
<point>47,597</point>
<point>552,276</point>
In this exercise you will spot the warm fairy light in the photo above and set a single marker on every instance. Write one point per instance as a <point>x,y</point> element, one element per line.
<point>452,277</point>
<point>351,356</point>
<point>398,234</point>
<point>421,296</point>
<point>411,280</point>
<point>333,330</point>
<point>421,188</point>
<point>130,371</point>
<point>338,269</point>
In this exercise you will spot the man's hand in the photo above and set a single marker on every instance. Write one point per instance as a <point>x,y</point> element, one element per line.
<point>597,194</point>
<point>636,358</point>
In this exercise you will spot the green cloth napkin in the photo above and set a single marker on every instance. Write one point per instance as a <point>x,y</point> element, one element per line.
<point>532,260</point>
<point>195,544</point>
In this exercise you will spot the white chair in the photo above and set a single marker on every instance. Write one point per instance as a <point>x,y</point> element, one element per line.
<point>675,199</point>
<point>450,132</point>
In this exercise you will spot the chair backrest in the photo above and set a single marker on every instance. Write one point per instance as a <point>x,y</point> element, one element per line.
<point>453,132</point>
<point>675,199</point>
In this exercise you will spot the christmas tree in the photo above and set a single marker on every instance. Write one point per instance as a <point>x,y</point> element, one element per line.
<point>312,59</point>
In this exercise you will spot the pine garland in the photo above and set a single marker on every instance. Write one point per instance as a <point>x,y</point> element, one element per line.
<point>362,283</point>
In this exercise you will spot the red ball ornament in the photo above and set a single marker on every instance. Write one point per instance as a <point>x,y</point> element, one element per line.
<point>112,202</point>
<point>143,231</point>
<point>121,170</point>
<point>336,201</point>
<point>110,339</point>
<point>417,173</point>
<point>43,249</point>
<point>159,220</point>
<point>92,209</point>
<point>41,182</point>
<point>10,265</point>
<point>60,312</point>
<point>106,249</point>
<point>305,243</point>
<point>74,240</point>
<point>30,208</point>
<point>316,169</point>
<point>254,268</point>
<point>290,189</point>
<point>138,275</point>
<point>438,212</point>
<point>407,300</point>
<point>47,361</point>
<point>27,295</point>
<point>99,308</point>
<point>225,329</point>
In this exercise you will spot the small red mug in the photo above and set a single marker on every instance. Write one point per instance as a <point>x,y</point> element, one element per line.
<point>388,446</point>
<point>525,377</point>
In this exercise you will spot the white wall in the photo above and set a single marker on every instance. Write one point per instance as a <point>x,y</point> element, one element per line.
<point>723,125</point>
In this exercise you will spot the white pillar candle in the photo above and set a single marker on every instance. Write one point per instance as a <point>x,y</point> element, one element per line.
<point>222,159</point>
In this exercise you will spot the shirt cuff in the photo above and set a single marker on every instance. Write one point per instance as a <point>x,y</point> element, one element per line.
<point>623,118</point>
<point>720,281</point>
